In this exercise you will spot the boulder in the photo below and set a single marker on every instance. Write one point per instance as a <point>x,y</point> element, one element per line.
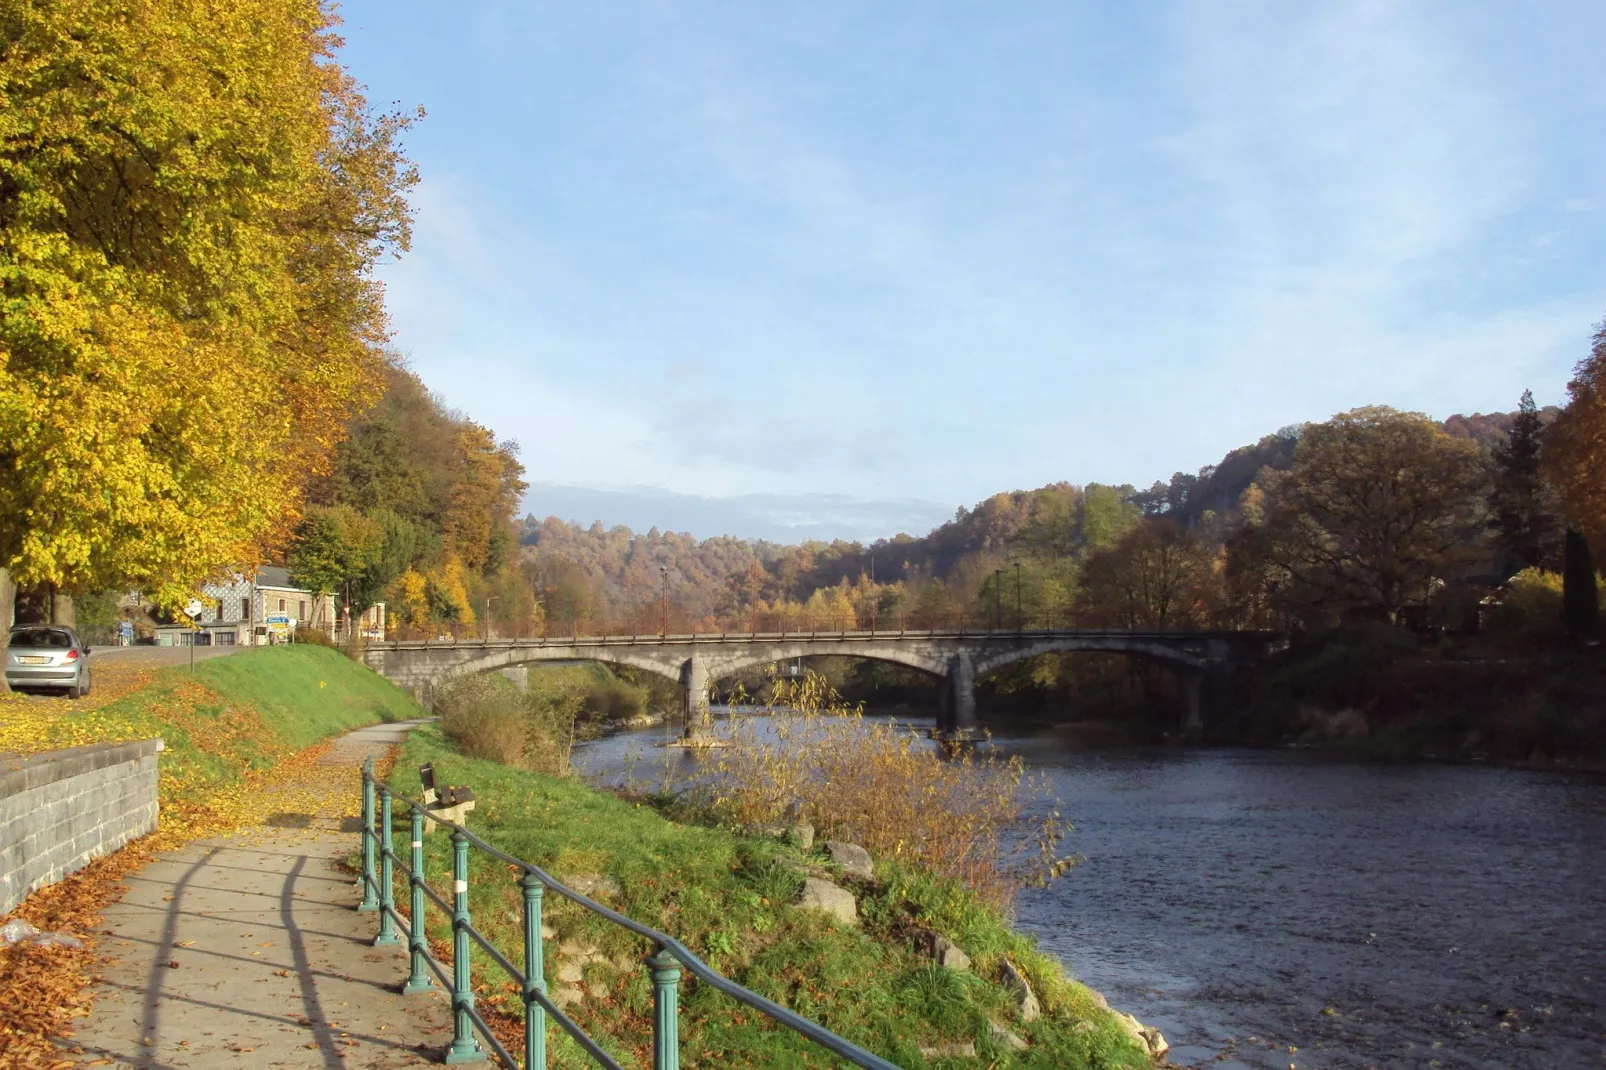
<point>835,901</point>
<point>949,954</point>
<point>593,885</point>
<point>799,834</point>
<point>854,860</point>
<point>950,1049</point>
<point>1014,980</point>
<point>1006,1039</point>
<point>1348,724</point>
<point>1146,1035</point>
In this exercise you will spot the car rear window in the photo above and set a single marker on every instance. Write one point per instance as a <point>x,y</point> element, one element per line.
<point>42,639</point>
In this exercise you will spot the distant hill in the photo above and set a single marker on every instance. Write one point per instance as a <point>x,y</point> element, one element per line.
<point>610,572</point>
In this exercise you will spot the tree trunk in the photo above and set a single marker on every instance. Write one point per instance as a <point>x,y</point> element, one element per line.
<point>61,609</point>
<point>8,598</point>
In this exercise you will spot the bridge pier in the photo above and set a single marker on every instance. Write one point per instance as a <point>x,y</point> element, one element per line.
<point>694,696</point>
<point>956,721</point>
<point>1193,688</point>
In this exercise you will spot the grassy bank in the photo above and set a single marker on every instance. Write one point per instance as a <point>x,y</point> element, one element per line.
<point>231,718</point>
<point>728,897</point>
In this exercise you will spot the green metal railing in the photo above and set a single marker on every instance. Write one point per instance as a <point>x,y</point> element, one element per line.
<point>664,966</point>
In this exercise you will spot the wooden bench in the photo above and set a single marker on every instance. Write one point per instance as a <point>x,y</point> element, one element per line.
<point>449,804</point>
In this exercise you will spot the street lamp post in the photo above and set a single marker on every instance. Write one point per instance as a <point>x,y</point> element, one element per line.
<point>998,596</point>
<point>1020,621</point>
<point>663,628</point>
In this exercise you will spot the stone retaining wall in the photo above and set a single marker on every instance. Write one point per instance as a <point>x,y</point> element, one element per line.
<point>62,809</point>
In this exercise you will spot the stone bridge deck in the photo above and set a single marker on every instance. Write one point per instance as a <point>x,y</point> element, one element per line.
<point>693,660</point>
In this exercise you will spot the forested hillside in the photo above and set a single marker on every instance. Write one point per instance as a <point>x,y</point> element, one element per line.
<point>613,574</point>
<point>416,511</point>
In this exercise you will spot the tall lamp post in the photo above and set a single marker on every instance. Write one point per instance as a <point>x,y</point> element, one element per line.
<point>663,628</point>
<point>998,598</point>
<point>1020,621</point>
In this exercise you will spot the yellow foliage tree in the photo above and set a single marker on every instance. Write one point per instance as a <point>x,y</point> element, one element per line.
<point>414,592</point>
<point>192,198</point>
<point>1575,446</point>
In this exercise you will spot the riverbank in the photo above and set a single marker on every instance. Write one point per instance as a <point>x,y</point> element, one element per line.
<point>1384,693</point>
<point>244,738</point>
<point>734,899</point>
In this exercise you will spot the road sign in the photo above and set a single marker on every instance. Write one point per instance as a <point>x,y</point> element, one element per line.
<point>279,619</point>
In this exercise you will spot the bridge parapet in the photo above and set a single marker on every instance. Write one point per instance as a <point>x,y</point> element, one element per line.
<point>695,659</point>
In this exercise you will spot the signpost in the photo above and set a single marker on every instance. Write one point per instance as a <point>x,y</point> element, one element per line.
<point>193,611</point>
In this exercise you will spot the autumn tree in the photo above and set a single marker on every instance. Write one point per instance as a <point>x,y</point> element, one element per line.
<point>1155,576</point>
<point>1575,445</point>
<point>1377,506</point>
<point>337,549</point>
<point>192,198</point>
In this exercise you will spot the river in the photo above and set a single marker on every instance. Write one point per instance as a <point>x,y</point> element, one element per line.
<point>1274,908</point>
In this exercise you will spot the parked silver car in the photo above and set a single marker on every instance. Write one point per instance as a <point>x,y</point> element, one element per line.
<point>47,655</point>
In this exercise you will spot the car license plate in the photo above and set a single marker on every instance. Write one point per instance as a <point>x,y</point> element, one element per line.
<point>34,661</point>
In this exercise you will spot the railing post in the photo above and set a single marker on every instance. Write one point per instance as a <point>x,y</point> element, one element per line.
<point>387,877</point>
<point>665,971</point>
<point>369,901</point>
<point>464,1049</point>
<point>534,976</point>
<point>418,979</point>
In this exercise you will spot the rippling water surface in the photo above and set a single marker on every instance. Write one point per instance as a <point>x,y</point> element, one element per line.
<point>1268,908</point>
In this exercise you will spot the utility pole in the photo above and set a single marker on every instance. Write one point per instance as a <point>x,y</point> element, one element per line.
<point>998,598</point>
<point>488,602</point>
<point>663,628</point>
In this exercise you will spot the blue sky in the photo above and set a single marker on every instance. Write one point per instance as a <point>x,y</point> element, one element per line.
<point>836,268</point>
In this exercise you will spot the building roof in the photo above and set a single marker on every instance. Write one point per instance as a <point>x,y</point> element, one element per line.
<point>274,576</point>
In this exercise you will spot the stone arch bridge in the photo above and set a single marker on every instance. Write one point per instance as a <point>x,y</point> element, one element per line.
<point>958,656</point>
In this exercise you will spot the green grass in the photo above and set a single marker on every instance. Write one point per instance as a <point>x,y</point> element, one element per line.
<point>727,897</point>
<point>306,693</point>
<point>234,714</point>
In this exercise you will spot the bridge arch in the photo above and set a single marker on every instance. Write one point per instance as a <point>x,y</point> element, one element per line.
<point>723,665</point>
<point>515,656</point>
<point>1149,650</point>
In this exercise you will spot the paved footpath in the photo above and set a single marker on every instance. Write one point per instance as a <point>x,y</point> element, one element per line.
<point>247,952</point>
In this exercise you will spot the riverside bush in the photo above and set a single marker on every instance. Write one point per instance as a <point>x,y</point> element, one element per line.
<point>486,716</point>
<point>882,786</point>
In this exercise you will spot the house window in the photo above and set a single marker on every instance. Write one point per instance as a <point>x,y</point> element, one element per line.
<point>281,605</point>
<point>301,614</point>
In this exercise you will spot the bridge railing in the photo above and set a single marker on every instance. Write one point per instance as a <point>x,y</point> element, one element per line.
<point>768,624</point>
<point>380,865</point>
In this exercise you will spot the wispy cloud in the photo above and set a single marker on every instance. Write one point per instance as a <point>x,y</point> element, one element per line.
<point>832,248</point>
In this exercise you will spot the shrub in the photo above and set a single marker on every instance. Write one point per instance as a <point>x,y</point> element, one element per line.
<point>313,637</point>
<point>482,717</point>
<point>612,699</point>
<point>486,716</point>
<point>1532,605</point>
<point>887,789</point>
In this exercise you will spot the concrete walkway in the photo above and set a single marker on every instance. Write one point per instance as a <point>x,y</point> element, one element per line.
<point>246,952</point>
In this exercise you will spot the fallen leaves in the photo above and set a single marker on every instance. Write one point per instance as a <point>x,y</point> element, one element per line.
<point>43,989</point>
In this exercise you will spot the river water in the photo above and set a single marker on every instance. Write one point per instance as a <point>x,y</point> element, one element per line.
<point>1278,908</point>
